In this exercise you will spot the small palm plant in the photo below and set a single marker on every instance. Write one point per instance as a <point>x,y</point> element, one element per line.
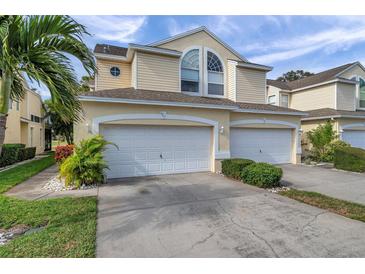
<point>86,165</point>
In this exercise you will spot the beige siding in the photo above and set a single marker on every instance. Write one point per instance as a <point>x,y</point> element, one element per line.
<point>231,81</point>
<point>157,72</point>
<point>271,90</point>
<point>205,42</point>
<point>107,81</point>
<point>134,71</point>
<point>346,97</point>
<point>18,131</point>
<point>314,98</point>
<point>251,85</point>
<point>353,72</point>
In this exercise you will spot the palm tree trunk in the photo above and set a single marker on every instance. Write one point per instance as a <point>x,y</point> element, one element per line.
<point>5,88</point>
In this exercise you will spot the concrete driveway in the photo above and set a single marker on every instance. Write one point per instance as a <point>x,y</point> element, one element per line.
<point>343,185</point>
<point>208,215</point>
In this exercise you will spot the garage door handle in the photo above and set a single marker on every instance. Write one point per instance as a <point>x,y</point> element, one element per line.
<point>161,156</point>
<point>260,151</point>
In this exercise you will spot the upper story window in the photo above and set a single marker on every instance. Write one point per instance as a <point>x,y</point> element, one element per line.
<point>272,99</point>
<point>190,71</point>
<point>362,92</point>
<point>115,71</point>
<point>35,118</point>
<point>215,75</point>
<point>284,100</point>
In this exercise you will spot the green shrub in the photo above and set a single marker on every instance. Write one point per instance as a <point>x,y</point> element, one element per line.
<point>9,154</point>
<point>329,150</point>
<point>86,165</point>
<point>26,153</point>
<point>350,158</point>
<point>320,138</point>
<point>262,175</point>
<point>233,167</point>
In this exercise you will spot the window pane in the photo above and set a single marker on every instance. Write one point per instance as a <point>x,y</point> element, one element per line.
<point>190,75</point>
<point>191,59</point>
<point>272,99</point>
<point>189,86</point>
<point>213,62</point>
<point>215,89</point>
<point>362,93</point>
<point>215,77</point>
<point>284,101</point>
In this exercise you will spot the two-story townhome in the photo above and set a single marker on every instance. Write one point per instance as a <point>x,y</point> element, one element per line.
<point>24,123</point>
<point>337,94</point>
<point>183,104</point>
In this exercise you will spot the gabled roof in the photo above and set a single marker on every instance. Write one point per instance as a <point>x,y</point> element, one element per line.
<point>278,84</point>
<point>332,74</point>
<point>327,113</point>
<point>318,78</point>
<point>196,30</point>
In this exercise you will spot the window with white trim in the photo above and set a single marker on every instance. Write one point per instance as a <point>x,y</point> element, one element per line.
<point>284,100</point>
<point>215,75</point>
<point>362,92</point>
<point>272,99</point>
<point>190,71</point>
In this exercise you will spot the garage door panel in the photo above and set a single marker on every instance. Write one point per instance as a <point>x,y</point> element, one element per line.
<point>183,149</point>
<point>263,145</point>
<point>355,138</point>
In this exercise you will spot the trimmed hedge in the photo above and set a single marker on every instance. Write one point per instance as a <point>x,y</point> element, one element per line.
<point>9,154</point>
<point>350,158</point>
<point>12,153</point>
<point>262,175</point>
<point>233,167</point>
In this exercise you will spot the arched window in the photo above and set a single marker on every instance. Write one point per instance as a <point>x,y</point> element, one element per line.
<point>215,74</point>
<point>362,92</point>
<point>190,71</point>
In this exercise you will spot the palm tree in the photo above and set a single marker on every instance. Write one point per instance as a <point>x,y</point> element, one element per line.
<point>39,47</point>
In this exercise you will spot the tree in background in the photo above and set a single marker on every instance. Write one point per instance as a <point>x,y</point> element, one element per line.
<point>87,83</point>
<point>60,127</point>
<point>294,75</point>
<point>36,46</point>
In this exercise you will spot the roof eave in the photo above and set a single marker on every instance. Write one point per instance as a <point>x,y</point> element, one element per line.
<point>153,102</point>
<point>332,117</point>
<point>292,113</point>
<point>255,66</point>
<point>193,31</point>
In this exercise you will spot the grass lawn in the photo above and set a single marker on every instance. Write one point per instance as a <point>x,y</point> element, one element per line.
<point>18,174</point>
<point>341,207</point>
<point>69,223</point>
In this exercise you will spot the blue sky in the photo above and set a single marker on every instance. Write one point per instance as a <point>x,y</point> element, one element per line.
<point>312,43</point>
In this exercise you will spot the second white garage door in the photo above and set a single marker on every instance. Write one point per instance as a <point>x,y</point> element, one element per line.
<point>355,138</point>
<point>261,145</point>
<point>154,150</point>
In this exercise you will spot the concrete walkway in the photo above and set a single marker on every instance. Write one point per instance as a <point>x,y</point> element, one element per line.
<point>343,185</point>
<point>32,189</point>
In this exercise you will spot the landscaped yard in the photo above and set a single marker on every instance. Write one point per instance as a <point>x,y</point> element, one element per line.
<point>69,224</point>
<point>344,208</point>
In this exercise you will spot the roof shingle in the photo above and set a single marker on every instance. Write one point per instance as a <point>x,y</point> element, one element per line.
<point>109,49</point>
<point>164,96</point>
<point>328,112</point>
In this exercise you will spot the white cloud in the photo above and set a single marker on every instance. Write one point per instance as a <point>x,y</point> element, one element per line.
<point>121,29</point>
<point>175,28</point>
<point>224,25</point>
<point>330,41</point>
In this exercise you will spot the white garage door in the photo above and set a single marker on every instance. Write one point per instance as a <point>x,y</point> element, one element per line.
<point>355,138</point>
<point>261,145</point>
<point>154,150</point>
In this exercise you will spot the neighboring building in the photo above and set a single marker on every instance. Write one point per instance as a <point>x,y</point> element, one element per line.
<point>181,105</point>
<point>24,123</point>
<point>337,94</point>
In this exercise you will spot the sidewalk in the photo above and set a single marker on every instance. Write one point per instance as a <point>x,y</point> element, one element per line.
<point>32,189</point>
